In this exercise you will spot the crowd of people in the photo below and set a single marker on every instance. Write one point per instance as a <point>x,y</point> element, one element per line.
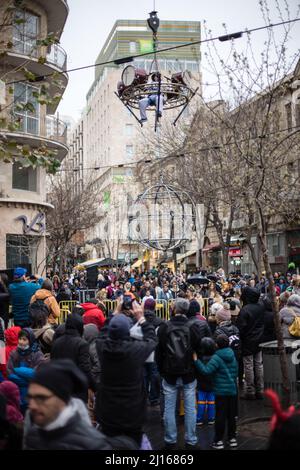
<point>86,383</point>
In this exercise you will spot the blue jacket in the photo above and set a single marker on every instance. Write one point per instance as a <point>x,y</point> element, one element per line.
<point>22,376</point>
<point>224,368</point>
<point>20,295</point>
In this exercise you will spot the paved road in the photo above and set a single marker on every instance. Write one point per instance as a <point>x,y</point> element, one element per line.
<point>251,435</point>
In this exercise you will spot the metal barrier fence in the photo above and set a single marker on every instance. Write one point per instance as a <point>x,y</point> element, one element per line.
<point>162,309</point>
<point>65,307</point>
<point>86,295</point>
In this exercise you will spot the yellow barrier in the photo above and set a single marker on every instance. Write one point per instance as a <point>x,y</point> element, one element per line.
<point>65,307</point>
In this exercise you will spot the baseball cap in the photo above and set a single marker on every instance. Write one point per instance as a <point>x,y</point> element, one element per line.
<point>19,272</point>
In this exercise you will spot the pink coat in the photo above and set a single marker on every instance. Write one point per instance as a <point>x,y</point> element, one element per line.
<point>12,395</point>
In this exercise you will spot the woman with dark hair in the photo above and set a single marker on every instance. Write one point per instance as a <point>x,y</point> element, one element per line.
<point>43,331</point>
<point>4,299</point>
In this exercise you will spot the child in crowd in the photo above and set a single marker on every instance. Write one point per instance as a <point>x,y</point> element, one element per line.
<point>224,369</point>
<point>23,361</point>
<point>205,394</point>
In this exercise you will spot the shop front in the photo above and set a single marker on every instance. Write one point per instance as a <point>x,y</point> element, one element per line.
<point>23,236</point>
<point>293,247</point>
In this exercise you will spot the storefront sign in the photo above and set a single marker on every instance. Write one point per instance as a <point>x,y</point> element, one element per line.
<point>235,252</point>
<point>37,225</point>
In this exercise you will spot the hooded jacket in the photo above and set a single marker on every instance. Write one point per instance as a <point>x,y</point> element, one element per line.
<point>50,301</point>
<point>30,358</point>
<point>224,370</point>
<point>250,321</point>
<point>121,399</point>
<point>73,433</point>
<point>11,339</point>
<point>13,400</point>
<point>93,314</point>
<point>20,296</point>
<point>72,346</point>
<point>287,315</point>
<point>90,334</point>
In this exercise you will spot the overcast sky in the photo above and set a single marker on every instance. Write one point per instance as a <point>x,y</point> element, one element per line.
<point>90,21</point>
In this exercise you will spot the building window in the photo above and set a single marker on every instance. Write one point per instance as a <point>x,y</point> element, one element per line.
<point>132,46</point>
<point>21,250</point>
<point>24,178</point>
<point>129,151</point>
<point>29,118</point>
<point>288,110</point>
<point>26,33</point>
<point>129,130</point>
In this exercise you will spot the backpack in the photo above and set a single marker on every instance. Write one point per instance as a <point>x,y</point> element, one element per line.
<point>38,306</point>
<point>294,328</point>
<point>178,359</point>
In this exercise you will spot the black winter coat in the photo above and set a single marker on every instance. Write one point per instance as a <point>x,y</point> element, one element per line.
<point>75,435</point>
<point>198,330</point>
<point>269,333</point>
<point>250,322</point>
<point>121,399</point>
<point>72,346</point>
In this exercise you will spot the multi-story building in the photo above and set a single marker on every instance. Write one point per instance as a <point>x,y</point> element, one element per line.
<point>277,127</point>
<point>112,136</point>
<point>23,206</point>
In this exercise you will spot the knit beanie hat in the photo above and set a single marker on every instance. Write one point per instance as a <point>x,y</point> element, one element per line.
<point>119,327</point>
<point>62,377</point>
<point>223,315</point>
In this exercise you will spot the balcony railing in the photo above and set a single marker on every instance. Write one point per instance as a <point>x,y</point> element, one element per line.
<point>50,127</point>
<point>56,129</point>
<point>57,55</point>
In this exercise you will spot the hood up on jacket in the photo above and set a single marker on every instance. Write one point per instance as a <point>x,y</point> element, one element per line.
<point>13,400</point>
<point>74,322</point>
<point>89,306</point>
<point>11,336</point>
<point>250,295</point>
<point>90,332</point>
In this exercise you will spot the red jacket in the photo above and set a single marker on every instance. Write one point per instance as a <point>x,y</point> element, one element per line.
<point>93,314</point>
<point>11,343</point>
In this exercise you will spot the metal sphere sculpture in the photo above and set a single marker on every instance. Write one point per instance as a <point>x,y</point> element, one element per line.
<point>163,218</point>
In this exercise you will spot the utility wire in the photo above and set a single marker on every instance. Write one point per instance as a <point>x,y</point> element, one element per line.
<point>124,60</point>
<point>204,149</point>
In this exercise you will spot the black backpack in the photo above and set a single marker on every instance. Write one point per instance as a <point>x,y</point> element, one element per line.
<point>39,306</point>
<point>178,359</point>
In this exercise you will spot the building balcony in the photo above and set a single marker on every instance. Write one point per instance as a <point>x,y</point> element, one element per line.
<point>57,13</point>
<point>34,132</point>
<point>56,61</point>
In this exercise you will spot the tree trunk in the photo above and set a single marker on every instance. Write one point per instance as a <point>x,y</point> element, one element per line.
<point>286,388</point>
<point>225,255</point>
<point>253,256</point>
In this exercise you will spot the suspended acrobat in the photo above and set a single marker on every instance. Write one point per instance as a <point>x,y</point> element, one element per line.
<point>152,91</point>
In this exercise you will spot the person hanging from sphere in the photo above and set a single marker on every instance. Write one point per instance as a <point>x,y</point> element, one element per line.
<point>154,99</point>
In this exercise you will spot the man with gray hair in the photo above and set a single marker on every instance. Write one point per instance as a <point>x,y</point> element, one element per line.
<point>174,359</point>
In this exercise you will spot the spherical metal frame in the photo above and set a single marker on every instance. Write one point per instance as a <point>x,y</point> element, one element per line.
<point>171,196</point>
<point>180,94</point>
